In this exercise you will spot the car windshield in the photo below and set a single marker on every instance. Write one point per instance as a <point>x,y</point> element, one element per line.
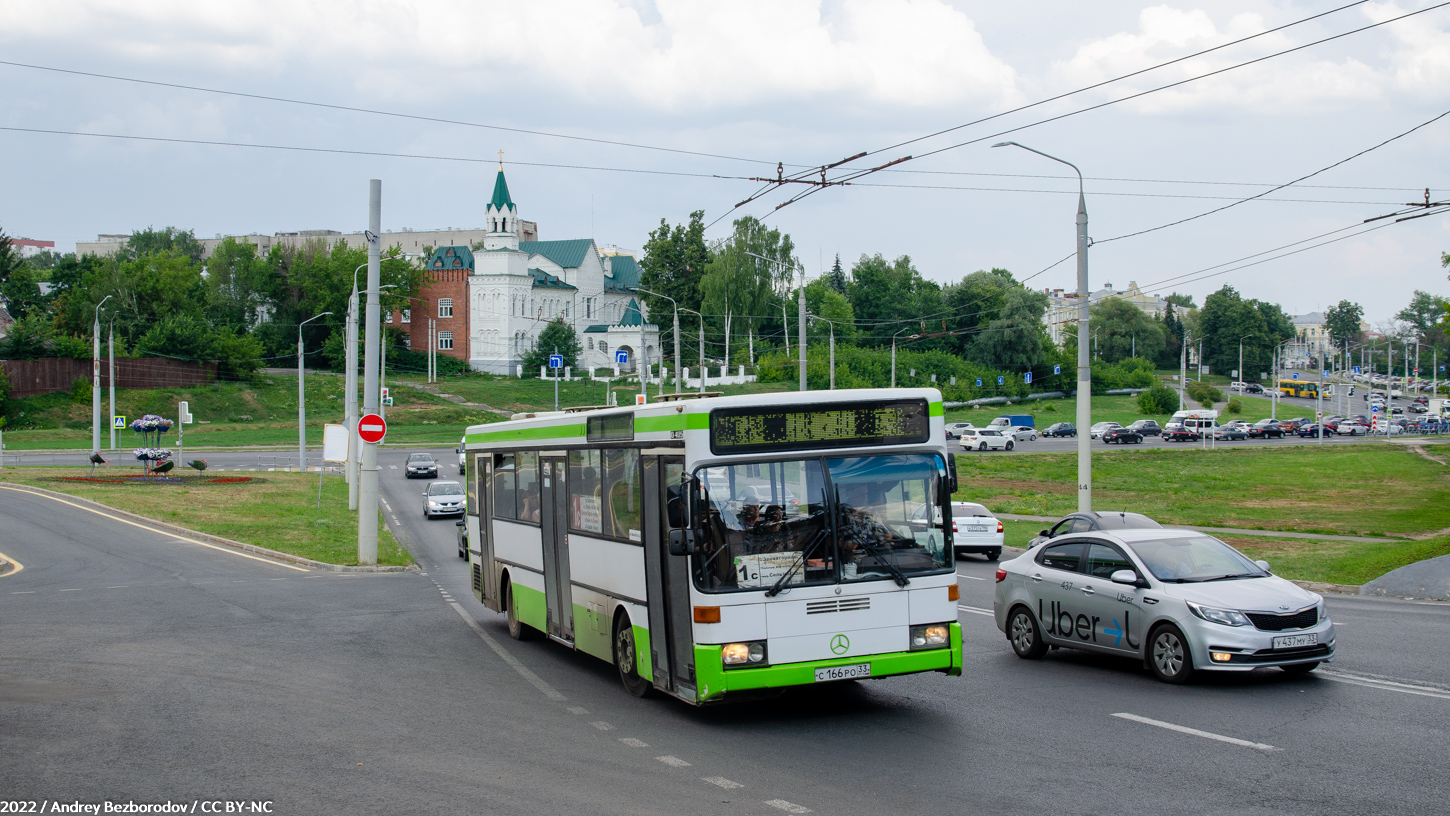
<point>774,525</point>
<point>419,458</point>
<point>445,489</point>
<point>1194,559</point>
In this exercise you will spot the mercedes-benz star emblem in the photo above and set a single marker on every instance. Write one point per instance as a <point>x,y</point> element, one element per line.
<point>840,644</point>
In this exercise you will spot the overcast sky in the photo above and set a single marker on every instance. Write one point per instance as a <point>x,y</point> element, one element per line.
<point>804,82</point>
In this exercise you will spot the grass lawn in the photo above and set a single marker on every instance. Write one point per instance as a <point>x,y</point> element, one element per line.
<point>1336,562</point>
<point>279,511</point>
<point>513,394</point>
<point>1122,410</point>
<point>1369,490</point>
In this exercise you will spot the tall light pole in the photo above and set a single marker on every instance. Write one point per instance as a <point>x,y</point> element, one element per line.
<point>96,378</point>
<point>367,514</point>
<point>1084,369</point>
<point>350,415</point>
<point>702,346</point>
<point>893,353</point>
<point>676,308</point>
<point>800,319</point>
<point>111,378</point>
<point>302,398</point>
<point>1242,378</point>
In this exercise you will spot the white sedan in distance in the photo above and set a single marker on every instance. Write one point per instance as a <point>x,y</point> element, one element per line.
<point>974,528</point>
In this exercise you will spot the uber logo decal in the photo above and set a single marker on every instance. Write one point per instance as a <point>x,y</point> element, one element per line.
<point>1058,621</point>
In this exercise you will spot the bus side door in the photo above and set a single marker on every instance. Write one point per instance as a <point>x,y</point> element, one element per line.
<point>667,580</point>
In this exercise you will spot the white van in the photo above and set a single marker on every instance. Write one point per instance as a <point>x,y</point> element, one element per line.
<point>461,455</point>
<point>1202,420</point>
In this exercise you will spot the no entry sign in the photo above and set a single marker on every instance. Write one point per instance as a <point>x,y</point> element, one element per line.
<point>372,428</point>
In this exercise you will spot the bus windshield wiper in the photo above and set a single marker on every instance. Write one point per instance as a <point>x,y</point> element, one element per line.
<point>805,552</point>
<point>896,573</point>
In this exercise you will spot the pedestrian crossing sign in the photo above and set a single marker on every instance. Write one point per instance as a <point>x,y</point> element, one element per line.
<point>118,422</point>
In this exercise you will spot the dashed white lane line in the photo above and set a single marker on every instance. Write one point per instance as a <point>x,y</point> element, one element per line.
<point>1183,729</point>
<point>788,807</point>
<point>120,586</point>
<point>720,781</point>
<point>1370,681</point>
<point>602,725</point>
<point>578,710</point>
<point>634,743</point>
<point>77,589</point>
<point>673,762</point>
<point>513,662</point>
<point>24,592</point>
<point>977,610</point>
<point>970,577</point>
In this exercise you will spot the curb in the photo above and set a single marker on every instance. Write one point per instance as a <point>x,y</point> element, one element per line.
<point>212,539</point>
<point>1321,588</point>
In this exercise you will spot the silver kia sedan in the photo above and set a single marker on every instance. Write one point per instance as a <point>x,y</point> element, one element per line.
<point>1180,600</point>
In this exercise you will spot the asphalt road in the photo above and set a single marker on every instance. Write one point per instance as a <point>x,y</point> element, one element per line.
<point>140,667</point>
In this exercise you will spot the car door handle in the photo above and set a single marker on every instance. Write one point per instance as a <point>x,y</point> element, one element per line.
<point>1037,577</point>
<point>1087,590</point>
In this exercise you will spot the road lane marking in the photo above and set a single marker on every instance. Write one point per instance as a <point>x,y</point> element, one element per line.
<point>513,662</point>
<point>24,592</point>
<point>120,586</point>
<point>77,589</point>
<point>602,725</point>
<point>634,743</point>
<point>788,807</point>
<point>673,762</point>
<point>227,550</point>
<point>577,710</point>
<point>722,782</point>
<point>976,611</point>
<point>1370,681</point>
<point>969,577</point>
<point>1183,729</point>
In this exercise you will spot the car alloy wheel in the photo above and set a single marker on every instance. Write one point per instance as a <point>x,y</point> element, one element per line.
<point>982,447</point>
<point>1009,445</point>
<point>1022,632</point>
<point>1168,656</point>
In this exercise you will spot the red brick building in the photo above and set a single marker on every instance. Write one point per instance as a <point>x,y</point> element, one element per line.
<point>445,292</point>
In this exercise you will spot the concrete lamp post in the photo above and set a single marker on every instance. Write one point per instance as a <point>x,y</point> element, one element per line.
<point>893,353</point>
<point>302,398</point>
<point>702,346</point>
<point>1084,370</point>
<point>676,307</point>
<point>96,378</point>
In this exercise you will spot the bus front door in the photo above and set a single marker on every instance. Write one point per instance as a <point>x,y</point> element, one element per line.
<point>554,523</point>
<point>667,578</point>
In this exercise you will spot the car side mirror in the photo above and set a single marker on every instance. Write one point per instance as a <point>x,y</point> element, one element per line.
<point>1263,565</point>
<point>1043,533</point>
<point>1127,576</point>
<point>460,523</point>
<point>682,542</point>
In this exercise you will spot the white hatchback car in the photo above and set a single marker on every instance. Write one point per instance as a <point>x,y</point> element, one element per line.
<point>983,439</point>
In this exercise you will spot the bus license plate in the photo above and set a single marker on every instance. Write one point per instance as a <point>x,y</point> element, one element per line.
<point>843,672</point>
<point>1295,641</point>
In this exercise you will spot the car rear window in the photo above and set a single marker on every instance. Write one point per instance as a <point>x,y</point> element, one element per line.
<point>970,509</point>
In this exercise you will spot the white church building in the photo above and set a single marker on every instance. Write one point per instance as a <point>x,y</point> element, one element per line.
<point>515,288</point>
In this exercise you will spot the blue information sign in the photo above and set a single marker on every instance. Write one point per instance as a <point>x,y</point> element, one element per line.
<point>1296,375</point>
<point>1027,378</point>
<point>1001,380</point>
<point>621,356</point>
<point>1057,369</point>
<point>556,361</point>
<point>979,382</point>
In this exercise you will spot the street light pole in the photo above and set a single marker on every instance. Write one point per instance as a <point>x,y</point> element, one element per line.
<point>1084,368</point>
<point>893,356</point>
<point>702,346</point>
<point>676,308</point>
<point>367,515</point>
<point>1242,378</point>
<point>111,378</point>
<point>302,398</point>
<point>96,378</point>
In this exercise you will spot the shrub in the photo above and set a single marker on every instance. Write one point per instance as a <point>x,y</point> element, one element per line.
<point>1234,406</point>
<point>80,390</point>
<point>1205,394</point>
<point>1158,399</point>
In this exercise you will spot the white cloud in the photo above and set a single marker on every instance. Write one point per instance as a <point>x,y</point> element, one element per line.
<point>898,53</point>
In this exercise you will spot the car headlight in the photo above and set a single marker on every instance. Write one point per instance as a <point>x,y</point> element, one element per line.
<point>1323,611</point>
<point>743,654</point>
<point>432,503</point>
<point>1227,617</point>
<point>930,636</point>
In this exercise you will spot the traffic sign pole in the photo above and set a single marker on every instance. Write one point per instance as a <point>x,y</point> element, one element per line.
<point>367,494</point>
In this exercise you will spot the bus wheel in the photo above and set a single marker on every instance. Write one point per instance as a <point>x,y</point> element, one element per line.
<point>626,659</point>
<point>518,630</point>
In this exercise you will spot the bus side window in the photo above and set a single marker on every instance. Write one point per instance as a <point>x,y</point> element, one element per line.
<point>503,486</point>
<point>528,492</point>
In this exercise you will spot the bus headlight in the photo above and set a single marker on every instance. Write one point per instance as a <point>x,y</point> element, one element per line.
<point>931,636</point>
<point>743,654</point>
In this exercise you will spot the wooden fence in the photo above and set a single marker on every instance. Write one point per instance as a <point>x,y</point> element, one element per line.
<point>31,377</point>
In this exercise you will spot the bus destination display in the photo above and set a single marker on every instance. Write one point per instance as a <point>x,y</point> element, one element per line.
<point>746,430</point>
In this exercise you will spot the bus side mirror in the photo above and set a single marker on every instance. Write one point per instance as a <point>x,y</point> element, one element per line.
<point>951,474</point>
<point>682,542</point>
<point>675,506</point>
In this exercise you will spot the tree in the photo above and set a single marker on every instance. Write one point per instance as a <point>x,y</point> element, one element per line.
<point>1225,320</point>
<point>836,278</point>
<point>557,338</point>
<point>673,263</point>
<point>1172,338</point>
<point>823,301</point>
<point>748,277</point>
<point>1182,301</point>
<point>18,288</point>
<point>241,287</point>
<point>1122,328</point>
<point>1342,322</point>
<point>1423,315</point>
<point>1015,339</point>
<point>171,239</point>
<point>889,296</point>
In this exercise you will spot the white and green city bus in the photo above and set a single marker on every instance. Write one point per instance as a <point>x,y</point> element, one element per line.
<point>727,547</point>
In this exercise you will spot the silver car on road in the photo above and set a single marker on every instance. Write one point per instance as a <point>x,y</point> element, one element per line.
<point>1180,600</point>
<point>443,499</point>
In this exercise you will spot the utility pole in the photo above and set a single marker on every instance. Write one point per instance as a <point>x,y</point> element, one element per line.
<point>643,356</point>
<point>801,326</point>
<point>1182,370</point>
<point>1319,402</point>
<point>302,398</point>
<point>111,379</point>
<point>1084,368</point>
<point>350,415</point>
<point>678,370</point>
<point>367,515</point>
<point>832,324</point>
<point>96,378</point>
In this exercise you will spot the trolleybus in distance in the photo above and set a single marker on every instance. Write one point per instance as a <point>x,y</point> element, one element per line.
<point>724,548</point>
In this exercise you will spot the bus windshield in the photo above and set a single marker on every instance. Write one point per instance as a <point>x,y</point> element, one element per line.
<point>774,525</point>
